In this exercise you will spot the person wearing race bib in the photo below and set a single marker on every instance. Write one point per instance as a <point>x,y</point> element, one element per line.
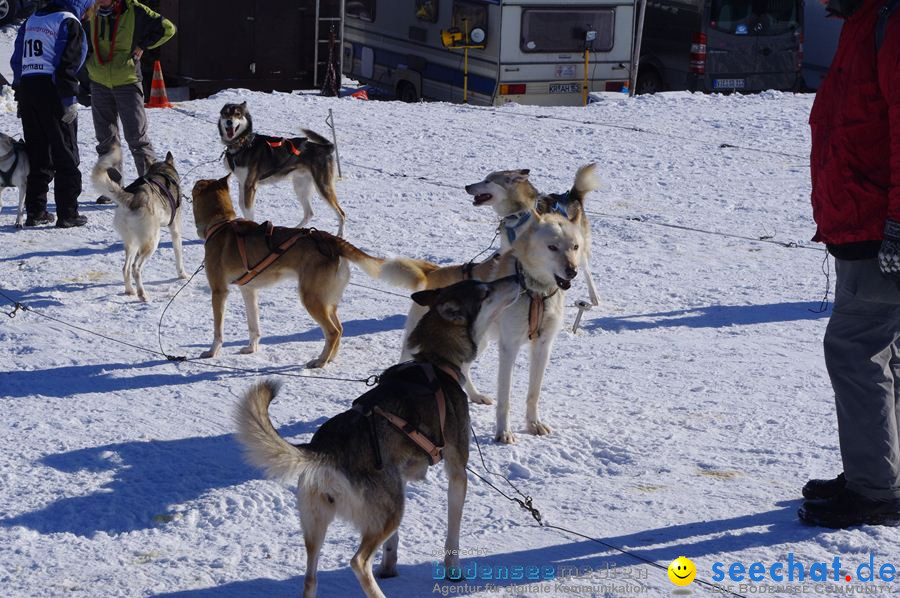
<point>49,51</point>
<point>119,31</point>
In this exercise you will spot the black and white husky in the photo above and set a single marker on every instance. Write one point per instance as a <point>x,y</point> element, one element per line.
<point>14,170</point>
<point>255,158</point>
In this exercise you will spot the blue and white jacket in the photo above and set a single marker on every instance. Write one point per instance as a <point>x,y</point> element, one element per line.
<point>52,43</point>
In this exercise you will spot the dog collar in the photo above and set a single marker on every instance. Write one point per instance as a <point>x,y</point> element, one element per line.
<point>512,223</point>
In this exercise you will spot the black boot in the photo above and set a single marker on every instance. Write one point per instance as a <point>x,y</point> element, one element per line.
<point>36,220</point>
<point>103,200</point>
<point>818,489</point>
<point>76,220</point>
<point>849,509</point>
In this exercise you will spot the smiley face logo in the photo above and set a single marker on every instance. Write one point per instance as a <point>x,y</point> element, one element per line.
<point>682,571</point>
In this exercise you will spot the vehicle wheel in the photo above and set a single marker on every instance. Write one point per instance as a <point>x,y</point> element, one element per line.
<point>406,91</point>
<point>648,81</point>
<point>8,10</point>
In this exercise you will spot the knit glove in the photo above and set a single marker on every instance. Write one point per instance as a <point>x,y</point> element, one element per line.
<point>889,255</point>
<point>70,114</point>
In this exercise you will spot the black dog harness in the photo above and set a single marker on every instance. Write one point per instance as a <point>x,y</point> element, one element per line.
<point>412,380</point>
<point>6,175</point>
<point>174,202</point>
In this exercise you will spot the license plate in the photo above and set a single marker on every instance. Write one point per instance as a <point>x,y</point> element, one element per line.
<point>565,87</point>
<point>729,83</point>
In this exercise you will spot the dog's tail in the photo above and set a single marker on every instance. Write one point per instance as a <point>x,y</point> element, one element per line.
<point>263,446</point>
<point>586,180</point>
<point>104,183</point>
<point>314,137</point>
<point>399,272</point>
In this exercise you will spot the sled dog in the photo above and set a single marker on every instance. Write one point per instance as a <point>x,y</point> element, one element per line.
<point>14,170</point>
<point>142,209</point>
<point>260,159</point>
<point>544,251</point>
<point>255,255</point>
<point>510,192</point>
<point>357,464</point>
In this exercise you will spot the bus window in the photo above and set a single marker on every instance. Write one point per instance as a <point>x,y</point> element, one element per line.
<point>760,17</point>
<point>361,9</point>
<point>476,15</point>
<point>427,10</point>
<point>555,30</point>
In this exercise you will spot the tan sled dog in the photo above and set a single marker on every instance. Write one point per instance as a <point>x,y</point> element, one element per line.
<point>254,256</point>
<point>357,464</point>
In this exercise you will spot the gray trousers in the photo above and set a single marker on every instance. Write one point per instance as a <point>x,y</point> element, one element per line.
<point>125,103</point>
<point>862,354</point>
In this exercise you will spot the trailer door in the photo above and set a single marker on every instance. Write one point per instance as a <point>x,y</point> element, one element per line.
<point>753,44</point>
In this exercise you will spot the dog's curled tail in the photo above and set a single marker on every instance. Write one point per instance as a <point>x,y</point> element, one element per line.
<point>263,446</point>
<point>399,272</point>
<point>586,180</point>
<point>104,183</point>
<point>314,137</point>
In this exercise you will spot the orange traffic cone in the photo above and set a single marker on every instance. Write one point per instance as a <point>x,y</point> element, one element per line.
<point>158,97</point>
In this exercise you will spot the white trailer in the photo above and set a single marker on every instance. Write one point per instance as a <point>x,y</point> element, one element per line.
<point>533,52</point>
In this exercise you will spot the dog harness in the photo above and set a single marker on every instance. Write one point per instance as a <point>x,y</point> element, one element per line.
<point>267,229</point>
<point>7,175</point>
<point>397,380</point>
<point>535,306</point>
<point>236,148</point>
<point>174,203</point>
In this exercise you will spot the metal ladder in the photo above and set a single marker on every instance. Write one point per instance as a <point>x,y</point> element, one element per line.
<point>329,13</point>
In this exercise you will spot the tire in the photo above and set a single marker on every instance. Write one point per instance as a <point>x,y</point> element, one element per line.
<point>648,81</point>
<point>406,92</point>
<point>8,11</point>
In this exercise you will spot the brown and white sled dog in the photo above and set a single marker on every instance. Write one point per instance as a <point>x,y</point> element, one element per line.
<point>317,260</point>
<point>260,159</point>
<point>357,464</point>
<point>142,209</point>
<point>544,254</point>
<point>510,192</point>
<point>14,170</point>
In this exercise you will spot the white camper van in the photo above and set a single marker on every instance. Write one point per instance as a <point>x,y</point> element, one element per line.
<point>525,51</point>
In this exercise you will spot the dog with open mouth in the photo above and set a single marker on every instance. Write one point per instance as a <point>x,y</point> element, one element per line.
<point>511,192</point>
<point>257,159</point>
<point>543,252</point>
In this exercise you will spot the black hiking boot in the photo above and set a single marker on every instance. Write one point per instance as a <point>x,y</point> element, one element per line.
<point>76,220</point>
<point>819,489</point>
<point>103,200</point>
<point>36,220</point>
<point>849,509</point>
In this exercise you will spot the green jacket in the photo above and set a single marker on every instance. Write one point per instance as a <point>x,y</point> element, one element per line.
<point>137,27</point>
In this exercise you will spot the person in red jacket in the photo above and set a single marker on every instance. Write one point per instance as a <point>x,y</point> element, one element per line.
<point>855,168</point>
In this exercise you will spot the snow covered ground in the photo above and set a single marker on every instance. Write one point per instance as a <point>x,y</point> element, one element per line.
<point>687,412</point>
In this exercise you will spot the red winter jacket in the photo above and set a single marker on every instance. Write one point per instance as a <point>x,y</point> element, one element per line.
<point>855,121</point>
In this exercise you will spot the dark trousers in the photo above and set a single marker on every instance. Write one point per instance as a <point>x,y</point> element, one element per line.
<point>52,148</point>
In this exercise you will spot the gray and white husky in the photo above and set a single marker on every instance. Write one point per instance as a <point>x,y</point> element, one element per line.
<point>142,208</point>
<point>357,464</point>
<point>14,170</point>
